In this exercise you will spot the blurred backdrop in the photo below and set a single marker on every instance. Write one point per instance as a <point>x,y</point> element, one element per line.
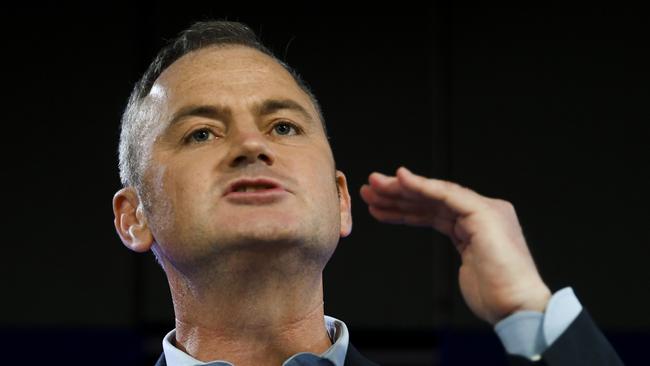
<point>546,107</point>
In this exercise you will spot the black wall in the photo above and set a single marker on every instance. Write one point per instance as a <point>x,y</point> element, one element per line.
<point>545,107</point>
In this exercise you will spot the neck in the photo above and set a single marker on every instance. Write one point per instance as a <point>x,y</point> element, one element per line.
<point>257,314</point>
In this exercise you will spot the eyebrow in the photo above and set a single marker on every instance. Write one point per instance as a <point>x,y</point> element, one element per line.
<point>265,108</point>
<point>208,111</point>
<point>271,106</point>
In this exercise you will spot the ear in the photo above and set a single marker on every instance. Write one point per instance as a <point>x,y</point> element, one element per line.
<point>345,204</point>
<point>130,221</point>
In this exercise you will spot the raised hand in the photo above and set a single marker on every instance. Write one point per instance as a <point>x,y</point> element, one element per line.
<point>497,276</point>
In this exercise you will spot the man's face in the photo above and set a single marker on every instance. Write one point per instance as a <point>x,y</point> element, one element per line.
<point>231,113</point>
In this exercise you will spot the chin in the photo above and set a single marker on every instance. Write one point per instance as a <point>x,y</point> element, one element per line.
<point>272,240</point>
<point>267,235</point>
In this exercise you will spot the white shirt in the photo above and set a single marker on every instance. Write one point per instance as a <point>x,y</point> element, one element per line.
<point>333,356</point>
<point>524,333</point>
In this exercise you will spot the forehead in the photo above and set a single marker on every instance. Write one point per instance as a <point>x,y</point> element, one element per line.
<point>225,75</point>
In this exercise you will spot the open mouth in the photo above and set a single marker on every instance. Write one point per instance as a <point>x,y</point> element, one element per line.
<point>255,192</point>
<point>253,188</point>
<point>254,185</point>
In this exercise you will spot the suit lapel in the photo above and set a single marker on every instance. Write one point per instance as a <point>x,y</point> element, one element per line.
<point>354,358</point>
<point>161,360</point>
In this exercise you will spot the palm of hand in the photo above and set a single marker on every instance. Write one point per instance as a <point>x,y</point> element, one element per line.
<point>497,276</point>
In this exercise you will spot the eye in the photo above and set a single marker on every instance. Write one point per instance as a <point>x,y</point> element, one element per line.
<point>285,128</point>
<point>200,135</point>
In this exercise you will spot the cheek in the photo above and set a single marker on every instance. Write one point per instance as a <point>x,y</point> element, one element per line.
<point>186,185</point>
<point>322,183</point>
<point>175,188</point>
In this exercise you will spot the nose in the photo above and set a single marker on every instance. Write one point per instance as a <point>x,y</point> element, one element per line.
<point>250,147</point>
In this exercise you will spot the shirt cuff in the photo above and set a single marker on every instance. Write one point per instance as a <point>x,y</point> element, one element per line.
<point>530,333</point>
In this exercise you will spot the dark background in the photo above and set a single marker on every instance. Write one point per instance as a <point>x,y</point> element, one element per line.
<point>546,107</point>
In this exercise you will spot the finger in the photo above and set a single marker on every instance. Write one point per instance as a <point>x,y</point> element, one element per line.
<point>459,199</point>
<point>397,217</point>
<point>393,216</point>
<point>373,198</point>
<point>385,185</point>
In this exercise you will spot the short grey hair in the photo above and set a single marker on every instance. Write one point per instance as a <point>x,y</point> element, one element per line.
<point>132,145</point>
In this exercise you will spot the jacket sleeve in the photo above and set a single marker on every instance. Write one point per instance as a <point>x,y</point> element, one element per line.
<point>582,344</point>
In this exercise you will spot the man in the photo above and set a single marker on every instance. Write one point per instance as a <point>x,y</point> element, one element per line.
<point>230,180</point>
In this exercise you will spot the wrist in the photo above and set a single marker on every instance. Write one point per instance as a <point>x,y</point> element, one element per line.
<point>536,300</point>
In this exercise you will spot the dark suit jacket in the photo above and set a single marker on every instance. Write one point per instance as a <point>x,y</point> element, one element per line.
<point>352,358</point>
<point>582,344</point>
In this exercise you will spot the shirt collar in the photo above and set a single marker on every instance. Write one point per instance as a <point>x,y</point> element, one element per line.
<point>337,330</point>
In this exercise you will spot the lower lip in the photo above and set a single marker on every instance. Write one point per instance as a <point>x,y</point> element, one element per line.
<point>264,196</point>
